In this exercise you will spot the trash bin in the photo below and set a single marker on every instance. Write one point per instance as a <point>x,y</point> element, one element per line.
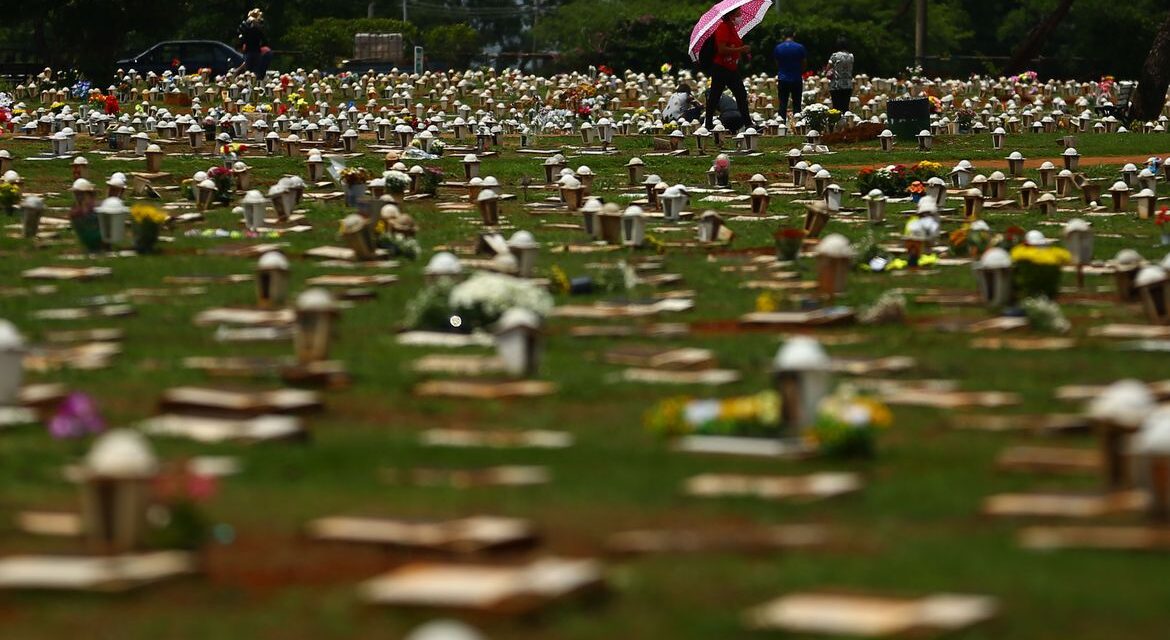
<point>907,117</point>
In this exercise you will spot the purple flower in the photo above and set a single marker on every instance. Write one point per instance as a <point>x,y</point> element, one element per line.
<point>76,417</point>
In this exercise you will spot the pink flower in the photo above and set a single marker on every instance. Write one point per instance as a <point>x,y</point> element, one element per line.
<point>76,417</point>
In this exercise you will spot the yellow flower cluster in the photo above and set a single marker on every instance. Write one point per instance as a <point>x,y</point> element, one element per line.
<point>1049,256</point>
<point>766,302</point>
<point>763,407</point>
<point>931,166</point>
<point>560,280</point>
<point>144,213</point>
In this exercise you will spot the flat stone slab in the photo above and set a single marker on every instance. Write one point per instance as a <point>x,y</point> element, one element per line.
<point>815,486</point>
<point>871,616</point>
<point>93,573</point>
<point>506,590</point>
<point>461,536</point>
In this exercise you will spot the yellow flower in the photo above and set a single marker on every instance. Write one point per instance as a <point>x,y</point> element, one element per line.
<point>765,302</point>
<point>560,280</point>
<point>879,414</point>
<point>1048,256</point>
<point>143,213</point>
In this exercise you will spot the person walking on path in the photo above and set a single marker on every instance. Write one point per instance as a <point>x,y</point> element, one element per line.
<point>791,59</point>
<point>840,72</point>
<point>254,44</point>
<point>724,67</point>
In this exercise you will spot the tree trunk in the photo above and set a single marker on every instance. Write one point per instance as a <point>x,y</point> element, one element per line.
<point>1023,56</point>
<point>1150,95</point>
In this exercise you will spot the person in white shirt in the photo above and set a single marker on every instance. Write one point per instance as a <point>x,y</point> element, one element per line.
<point>840,72</point>
<point>680,105</point>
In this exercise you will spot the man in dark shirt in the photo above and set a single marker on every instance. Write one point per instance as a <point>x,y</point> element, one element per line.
<point>790,63</point>
<point>254,43</point>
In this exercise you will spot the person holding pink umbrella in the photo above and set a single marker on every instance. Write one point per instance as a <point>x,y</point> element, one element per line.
<point>724,68</point>
<point>717,44</point>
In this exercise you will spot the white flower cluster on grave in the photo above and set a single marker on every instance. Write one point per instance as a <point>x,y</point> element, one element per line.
<point>494,294</point>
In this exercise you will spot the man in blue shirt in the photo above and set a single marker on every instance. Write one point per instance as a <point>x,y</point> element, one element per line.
<point>790,62</point>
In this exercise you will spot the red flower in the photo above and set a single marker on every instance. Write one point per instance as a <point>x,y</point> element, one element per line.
<point>111,106</point>
<point>1163,216</point>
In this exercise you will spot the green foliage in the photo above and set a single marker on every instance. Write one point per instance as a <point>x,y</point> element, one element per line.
<point>327,41</point>
<point>454,44</point>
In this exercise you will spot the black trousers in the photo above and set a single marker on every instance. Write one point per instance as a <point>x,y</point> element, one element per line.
<point>840,98</point>
<point>786,90</point>
<point>723,79</point>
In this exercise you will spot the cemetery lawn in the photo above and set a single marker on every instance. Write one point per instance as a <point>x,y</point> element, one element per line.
<point>916,524</point>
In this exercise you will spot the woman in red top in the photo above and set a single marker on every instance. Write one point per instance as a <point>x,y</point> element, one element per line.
<point>724,68</point>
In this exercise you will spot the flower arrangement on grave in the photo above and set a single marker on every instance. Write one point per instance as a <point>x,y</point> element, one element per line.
<point>767,302</point>
<point>820,117</point>
<point>889,308</point>
<point>969,241</point>
<point>432,177</point>
<point>76,417</point>
<point>1027,77</point>
<point>396,236</point>
<point>232,150</point>
<point>1037,270</point>
<point>965,118</point>
<point>1105,85</point>
<point>111,106</point>
<point>5,113</point>
<point>97,100</point>
<point>437,147</point>
<point>179,493</point>
<point>847,424</point>
<point>397,182</point>
<point>399,245</point>
<point>1160,219</point>
<point>222,177</point>
<point>621,279</point>
<point>299,105</point>
<point>788,242</point>
<point>9,197</point>
<point>146,221</point>
<point>1011,237</point>
<point>936,105</point>
<point>916,190</point>
<point>886,263</point>
<point>80,89</point>
<point>84,221</point>
<point>895,180</point>
<point>353,176</point>
<point>1045,315</point>
<point>754,415</point>
<point>475,303</point>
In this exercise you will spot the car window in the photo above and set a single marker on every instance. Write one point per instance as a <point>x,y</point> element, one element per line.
<point>164,54</point>
<point>199,56</point>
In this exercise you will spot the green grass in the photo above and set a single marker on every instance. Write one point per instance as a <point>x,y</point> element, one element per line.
<point>916,523</point>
